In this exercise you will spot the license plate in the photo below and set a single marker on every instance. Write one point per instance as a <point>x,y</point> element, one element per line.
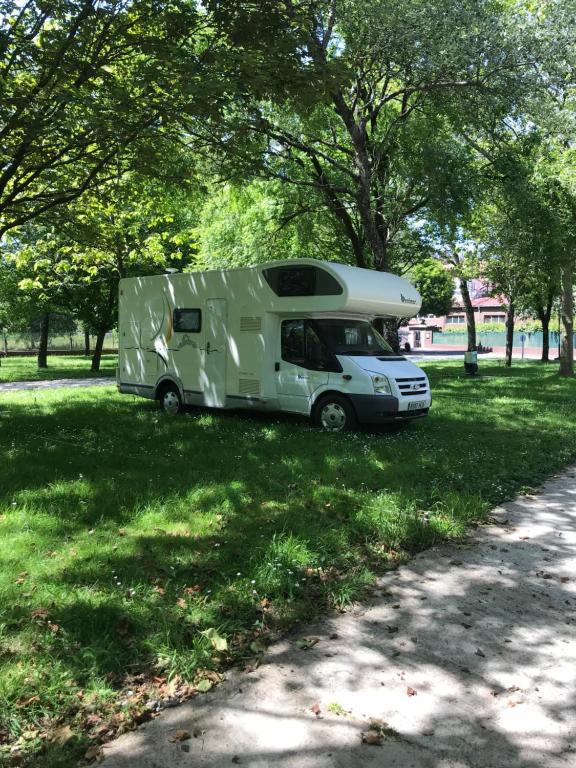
<point>416,405</point>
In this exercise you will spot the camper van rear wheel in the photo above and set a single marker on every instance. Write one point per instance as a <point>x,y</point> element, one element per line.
<point>170,400</point>
<point>334,413</point>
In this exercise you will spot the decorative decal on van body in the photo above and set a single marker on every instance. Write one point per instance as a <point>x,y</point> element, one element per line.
<point>406,300</point>
<point>170,331</point>
<point>157,333</point>
<point>186,341</point>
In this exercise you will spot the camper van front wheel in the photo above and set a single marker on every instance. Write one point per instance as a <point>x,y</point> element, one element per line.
<point>334,414</point>
<point>170,400</point>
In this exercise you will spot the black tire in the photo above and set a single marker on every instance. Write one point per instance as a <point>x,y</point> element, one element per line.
<point>170,400</point>
<point>334,413</point>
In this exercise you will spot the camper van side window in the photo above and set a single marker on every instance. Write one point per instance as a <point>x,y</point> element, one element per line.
<point>293,342</point>
<point>187,320</point>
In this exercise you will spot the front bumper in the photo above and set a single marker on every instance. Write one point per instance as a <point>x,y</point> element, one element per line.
<point>382,409</point>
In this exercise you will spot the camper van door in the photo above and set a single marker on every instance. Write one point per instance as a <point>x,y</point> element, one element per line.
<point>214,370</point>
<point>301,370</point>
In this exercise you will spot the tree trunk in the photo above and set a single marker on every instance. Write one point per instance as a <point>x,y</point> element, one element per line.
<point>567,314</point>
<point>98,350</point>
<point>509,333</point>
<point>43,346</point>
<point>5,339</point>
<point>470,317</point>
<point>86,342</point>
<point>545,338</point>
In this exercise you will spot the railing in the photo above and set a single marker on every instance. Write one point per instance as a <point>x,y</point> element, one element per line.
<point>26,344</point>
<point>533,340</point>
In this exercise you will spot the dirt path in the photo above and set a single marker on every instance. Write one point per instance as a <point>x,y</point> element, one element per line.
<point>16,386</point>
<point>468,654</point>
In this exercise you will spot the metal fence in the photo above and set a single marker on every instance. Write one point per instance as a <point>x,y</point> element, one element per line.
<point>74,342</point>
<point>533,340</point>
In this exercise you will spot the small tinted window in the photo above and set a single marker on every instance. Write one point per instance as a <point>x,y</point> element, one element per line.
<point>187,320</point>
<point>301,281</point>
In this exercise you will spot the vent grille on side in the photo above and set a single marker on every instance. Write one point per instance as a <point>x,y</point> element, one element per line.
<point>249,387</point>
<point>250,324</point>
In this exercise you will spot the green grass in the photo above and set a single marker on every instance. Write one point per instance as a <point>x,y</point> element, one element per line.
<point>59,367</point>
<point>125,535</point>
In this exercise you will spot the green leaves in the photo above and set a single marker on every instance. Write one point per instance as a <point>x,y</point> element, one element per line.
<point>217,642</point>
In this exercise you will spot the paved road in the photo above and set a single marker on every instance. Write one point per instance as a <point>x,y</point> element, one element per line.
<point>468,653</point>
<point>14,386</point>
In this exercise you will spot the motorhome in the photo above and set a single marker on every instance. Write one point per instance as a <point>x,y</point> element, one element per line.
<point>291,336</point>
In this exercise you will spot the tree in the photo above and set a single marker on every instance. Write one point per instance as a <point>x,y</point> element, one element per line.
<point>377,144</point>
<point>262,221</point>
<point>436,286</point>
<point>133,226</point>
<point>460,257</point>
<point>83,83</point>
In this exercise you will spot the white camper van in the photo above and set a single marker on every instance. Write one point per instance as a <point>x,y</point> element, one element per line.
<point>284,336</point>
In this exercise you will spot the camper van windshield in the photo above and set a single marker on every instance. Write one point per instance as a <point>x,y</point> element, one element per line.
<point>353,337</point>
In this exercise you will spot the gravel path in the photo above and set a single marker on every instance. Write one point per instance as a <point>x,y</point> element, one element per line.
<point>468,654</point>
<point>16,386</point>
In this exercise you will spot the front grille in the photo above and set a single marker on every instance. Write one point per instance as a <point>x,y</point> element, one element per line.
<point>412,387</point>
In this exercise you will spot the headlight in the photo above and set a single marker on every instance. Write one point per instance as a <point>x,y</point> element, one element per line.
<point>382,385</point>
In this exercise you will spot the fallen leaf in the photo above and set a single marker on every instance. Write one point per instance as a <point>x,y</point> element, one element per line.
<point>411,691</point>
<point>61,735</point>
<point>27,702</point>
<point>257,647</point>
<point>371,737</point>
<point>204,685</point>
<point>93,752</point>
<point>181,603</point>
<point>307,642</point>
<point>316,709</point>
<point>466,626</point>
<point>479,652</point>
<point>181,736</point>
<point>392,629</point>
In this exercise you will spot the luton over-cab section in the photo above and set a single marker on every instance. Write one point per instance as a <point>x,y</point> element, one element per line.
<point>291,336</point>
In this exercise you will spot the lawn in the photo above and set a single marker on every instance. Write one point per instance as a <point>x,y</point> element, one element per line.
<point>140,555</point>
<point>59,367</point>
